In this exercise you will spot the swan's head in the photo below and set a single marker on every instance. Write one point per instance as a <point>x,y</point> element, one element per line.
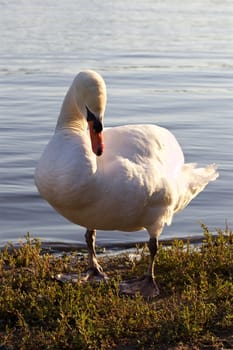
<point>91,98</point>
<point>84,105</point>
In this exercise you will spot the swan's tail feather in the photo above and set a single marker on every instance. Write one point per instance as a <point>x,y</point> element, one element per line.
<point>193,181</point>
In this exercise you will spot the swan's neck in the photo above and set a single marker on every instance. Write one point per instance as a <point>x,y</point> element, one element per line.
<point>71,116</point>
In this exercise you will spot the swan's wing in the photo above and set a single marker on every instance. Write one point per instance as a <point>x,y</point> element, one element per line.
<point>145,145</point>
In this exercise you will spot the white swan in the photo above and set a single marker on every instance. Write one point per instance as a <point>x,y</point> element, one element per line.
<point>139,179</point>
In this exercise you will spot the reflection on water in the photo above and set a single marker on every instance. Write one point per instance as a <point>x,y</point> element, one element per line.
<point>164,62</point>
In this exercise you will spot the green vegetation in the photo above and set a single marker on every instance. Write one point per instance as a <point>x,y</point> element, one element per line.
<point>194,309</point>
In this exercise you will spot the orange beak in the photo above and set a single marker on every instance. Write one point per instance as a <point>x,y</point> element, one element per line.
<point>96,139</point>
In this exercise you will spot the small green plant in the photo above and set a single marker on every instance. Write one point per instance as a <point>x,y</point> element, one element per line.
<point>194,309</point>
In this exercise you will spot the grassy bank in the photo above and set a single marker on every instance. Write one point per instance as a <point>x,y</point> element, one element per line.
<point>194,309</point>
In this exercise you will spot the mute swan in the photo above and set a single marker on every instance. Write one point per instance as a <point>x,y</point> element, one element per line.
<point>122,178</point>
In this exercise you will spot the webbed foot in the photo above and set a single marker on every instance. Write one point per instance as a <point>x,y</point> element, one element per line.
<point>145,285</point>
<point>93,274</point>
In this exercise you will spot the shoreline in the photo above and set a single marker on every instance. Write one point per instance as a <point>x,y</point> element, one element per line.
<point>101,248</point>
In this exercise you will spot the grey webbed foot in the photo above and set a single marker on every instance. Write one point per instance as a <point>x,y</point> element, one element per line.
<point>93,274</point>
<point>145,285</point>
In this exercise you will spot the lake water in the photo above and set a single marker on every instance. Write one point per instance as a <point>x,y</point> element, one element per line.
<point>165,62</point>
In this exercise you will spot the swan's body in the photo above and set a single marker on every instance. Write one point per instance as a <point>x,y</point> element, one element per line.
<point>139,181</point>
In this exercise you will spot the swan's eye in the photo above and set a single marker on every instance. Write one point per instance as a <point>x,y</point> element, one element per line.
<point>90,115</point>
<point>97,125</point>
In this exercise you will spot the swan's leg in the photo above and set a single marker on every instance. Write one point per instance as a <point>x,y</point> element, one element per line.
<point>153,248</point>
<point>90,237</point>
<point>94,271</point>
<point>145,285</point>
